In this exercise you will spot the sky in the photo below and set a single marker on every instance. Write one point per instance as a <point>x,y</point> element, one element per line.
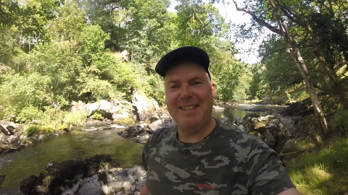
<point>229,12</point>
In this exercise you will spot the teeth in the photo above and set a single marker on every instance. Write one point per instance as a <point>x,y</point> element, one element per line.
<point>188,107</point>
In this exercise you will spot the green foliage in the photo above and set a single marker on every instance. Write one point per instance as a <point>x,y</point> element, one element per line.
<point>323,171</point>
<point>31,130</point>
<point>21,91</point>
<point>97,116</point>
<point>47,129</point>
<point>154,88</point>
<point>125,80</point>
<point>258,87</point>
<point>28,114</point>
<point>77,118</point>
<point>340,120</point>
<point>126,121</point>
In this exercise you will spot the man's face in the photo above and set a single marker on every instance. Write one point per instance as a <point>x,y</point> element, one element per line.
<point>189,95</point>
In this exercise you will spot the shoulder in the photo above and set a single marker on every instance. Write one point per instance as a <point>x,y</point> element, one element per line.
<point>160,134</point>
<point>233,134</point>
<point>242,145</point>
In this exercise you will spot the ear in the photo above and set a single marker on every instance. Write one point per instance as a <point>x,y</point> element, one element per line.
<point>213,90</point>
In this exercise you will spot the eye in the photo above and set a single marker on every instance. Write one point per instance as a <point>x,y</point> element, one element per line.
<point>197,82</point>
<point>173,86</point>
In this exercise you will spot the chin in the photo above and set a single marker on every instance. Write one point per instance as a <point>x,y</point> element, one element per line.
<point>189,123</point>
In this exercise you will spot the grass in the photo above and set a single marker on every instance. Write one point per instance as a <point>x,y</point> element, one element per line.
<point>323,171</point>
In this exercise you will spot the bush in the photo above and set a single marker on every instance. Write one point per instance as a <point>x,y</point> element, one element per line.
<point>340,120</point>
<point>97,116</point>
<point>31,130</point>
<point>23,91</point>
<point>29,113</point>
<point>47,128</point>
<point>77,118</point>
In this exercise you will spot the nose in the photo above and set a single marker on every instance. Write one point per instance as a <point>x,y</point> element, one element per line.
<point>185,92</point>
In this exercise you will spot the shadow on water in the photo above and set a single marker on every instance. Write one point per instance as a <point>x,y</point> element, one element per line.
<point>75,145</point>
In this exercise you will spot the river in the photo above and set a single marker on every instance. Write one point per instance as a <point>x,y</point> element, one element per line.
<point>81,144</point>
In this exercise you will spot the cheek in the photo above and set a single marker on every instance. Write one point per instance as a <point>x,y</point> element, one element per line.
<point>170,99</point>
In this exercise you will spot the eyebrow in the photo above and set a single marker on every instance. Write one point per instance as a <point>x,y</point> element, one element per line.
<point>177,80</point>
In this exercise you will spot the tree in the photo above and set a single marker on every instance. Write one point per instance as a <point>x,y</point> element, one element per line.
<point>271,11</point>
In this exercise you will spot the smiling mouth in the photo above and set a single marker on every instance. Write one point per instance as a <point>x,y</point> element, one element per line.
<point>188,107</point>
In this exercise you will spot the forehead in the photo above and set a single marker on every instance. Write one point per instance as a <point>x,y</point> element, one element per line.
<point>185,70</point>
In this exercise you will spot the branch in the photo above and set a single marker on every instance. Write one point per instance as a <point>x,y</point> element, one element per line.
<point>287,12</point>
<point>259,21</point>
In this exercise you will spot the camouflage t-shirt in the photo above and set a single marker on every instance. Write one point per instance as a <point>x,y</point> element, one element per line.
<point>227,161</point>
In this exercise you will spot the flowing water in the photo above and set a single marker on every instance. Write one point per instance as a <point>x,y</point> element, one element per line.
<point>81,144</point>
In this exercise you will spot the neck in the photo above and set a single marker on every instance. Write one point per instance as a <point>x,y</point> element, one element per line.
<point>194,135</point>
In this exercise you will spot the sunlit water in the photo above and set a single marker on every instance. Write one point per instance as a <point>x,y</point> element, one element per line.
<point>77,145</point>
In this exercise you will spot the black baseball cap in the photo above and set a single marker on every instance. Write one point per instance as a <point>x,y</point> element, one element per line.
<point>181,54</point>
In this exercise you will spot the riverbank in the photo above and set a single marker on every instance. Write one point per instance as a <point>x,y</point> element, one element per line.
<point>14,137</point>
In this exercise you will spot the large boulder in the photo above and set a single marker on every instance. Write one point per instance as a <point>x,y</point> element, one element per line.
<point>162,123</point>
<point>145,107</point>
<point>132,131</point>
<point>138,133</point>
<point>12,137</point>
<point>268,128</point>
<point>4,130</point>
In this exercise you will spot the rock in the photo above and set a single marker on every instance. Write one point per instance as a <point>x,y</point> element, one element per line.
<point>238,121</point>
<point>139,185</point>
<point>290,146</point>
<point>28,184</point>
<point>5,146</point>
<point>139,173</point>
<point>268,128</point>
<point>96,178</point>
<point>225,120</point>
<point>92,187</point>
<point>151,119</point>
<point>164,123</point>
<point>132,131</point>
<point>95,122</point>
<point>11,129</point>
<point>145,106</point>
<point>13,139</point>
<point>247,121</point>
<point>61,178</point>
<point>4,130</point>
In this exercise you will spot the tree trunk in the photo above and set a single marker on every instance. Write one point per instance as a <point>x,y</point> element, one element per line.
<point>324,129</point>
<point>301,65</point>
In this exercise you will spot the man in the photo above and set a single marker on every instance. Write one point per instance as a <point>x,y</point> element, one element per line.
<point>200,155</point>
